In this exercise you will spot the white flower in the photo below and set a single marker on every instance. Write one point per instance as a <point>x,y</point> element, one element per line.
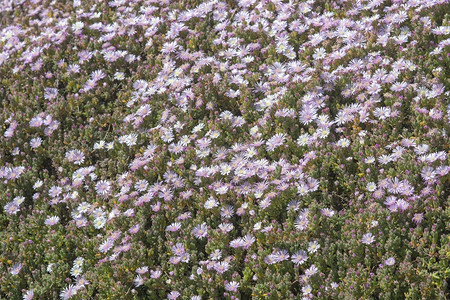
<point>110,146</point>
<point>50,221</point>
<point>198,128</point>
<point>210,203</point>
<point>99,145</point>
<point>367,239</point>
<point>303,139</point>
<point>344,142</point>
<point>78,261</point>
<point>369,160</point>
<point>138,281</point>
<point>371,186</point>
<point>257,226</point>
<point>50,267</point>
<point>77,26</point>
<point>76,271</point>
<point>254,130</point>
<point>99,222</point>
<point>119,76</point>
<point>38,184</point>
<point>19,200</point>
<point>15,269</point>
<point>313,247</point>
<point>306,290</point>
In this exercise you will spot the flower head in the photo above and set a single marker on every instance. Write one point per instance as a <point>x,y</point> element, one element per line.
<point>390,261</point>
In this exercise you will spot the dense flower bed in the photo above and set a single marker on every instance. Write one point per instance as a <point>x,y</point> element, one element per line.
<point>252,149</point>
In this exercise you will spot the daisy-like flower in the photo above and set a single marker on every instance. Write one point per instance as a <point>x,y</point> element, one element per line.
<point>301,223</point>
<point>11,208</point>
<point>173,295</point>
<point>76,271</point>
<point>83,207</point>
<point>236,243</point>
<point>367,239</point>
<point>265,203</point>
<point>402,205</point>
<point>77,26</point>
<point>371,186</point>
<point>428,173</point>
<point>54,191</point>
<point>327,212</point>
<point>103,187</point>
<point>15,269</point>
<point>142,270</point>
<point>313,247</point>
<point>155,274</point>
<point>138,281</point>
<point>119,76</point>
<point>390,261</point>
<point>131,139</point>
<point>303,139</point>
<point>50,221</point>
<point>109,146</point>
<point>35,142</point>
<point>307,115</point>
<point>319,53</point>
<point>344,142</point>
<point>99,222</point>
<point>81,282</point>
<point>73,68</point>
<point>311,271</point>
<point>97,75</point>
<point>216,255</point>
<point>225,227</point>
<point>98,212</point>
<point>106,245</point>
<point>418,218</point>
<point>232,286</point>
<point>38,184</point>
<point>384,159</point>
<point>89,85</point>
<point>227,211</point>
<point>221,267</point>
<point>299,257</point>
<point>19,200</point>
<point>28,295</point>
<point>78,261</point>
<point>68,292</point>
<point>99,145</point>
<point>173,227</point>
<point>36,121</point>
<point>75,156</point>
<point>134,229</point>
<point>394,186</point>
<point>275,141</point>
<point>50,93</point>
<point>200,231</point>
<point>141,185</point>
<point>306,290</point>
<point>281,255</point>
<point>248,240</point>
<point>50,267</point>
<point>210,203</point>
<point>80,222</point>
<point>178,249</point>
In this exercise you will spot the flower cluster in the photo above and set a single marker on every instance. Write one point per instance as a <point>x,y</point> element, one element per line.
<point>213,149</point>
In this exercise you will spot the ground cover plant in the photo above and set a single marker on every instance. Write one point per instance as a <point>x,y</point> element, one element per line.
<point>251,149</point>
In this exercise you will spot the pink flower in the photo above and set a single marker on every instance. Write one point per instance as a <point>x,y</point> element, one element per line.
<point>200,231</point>
<point>390,261</point>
